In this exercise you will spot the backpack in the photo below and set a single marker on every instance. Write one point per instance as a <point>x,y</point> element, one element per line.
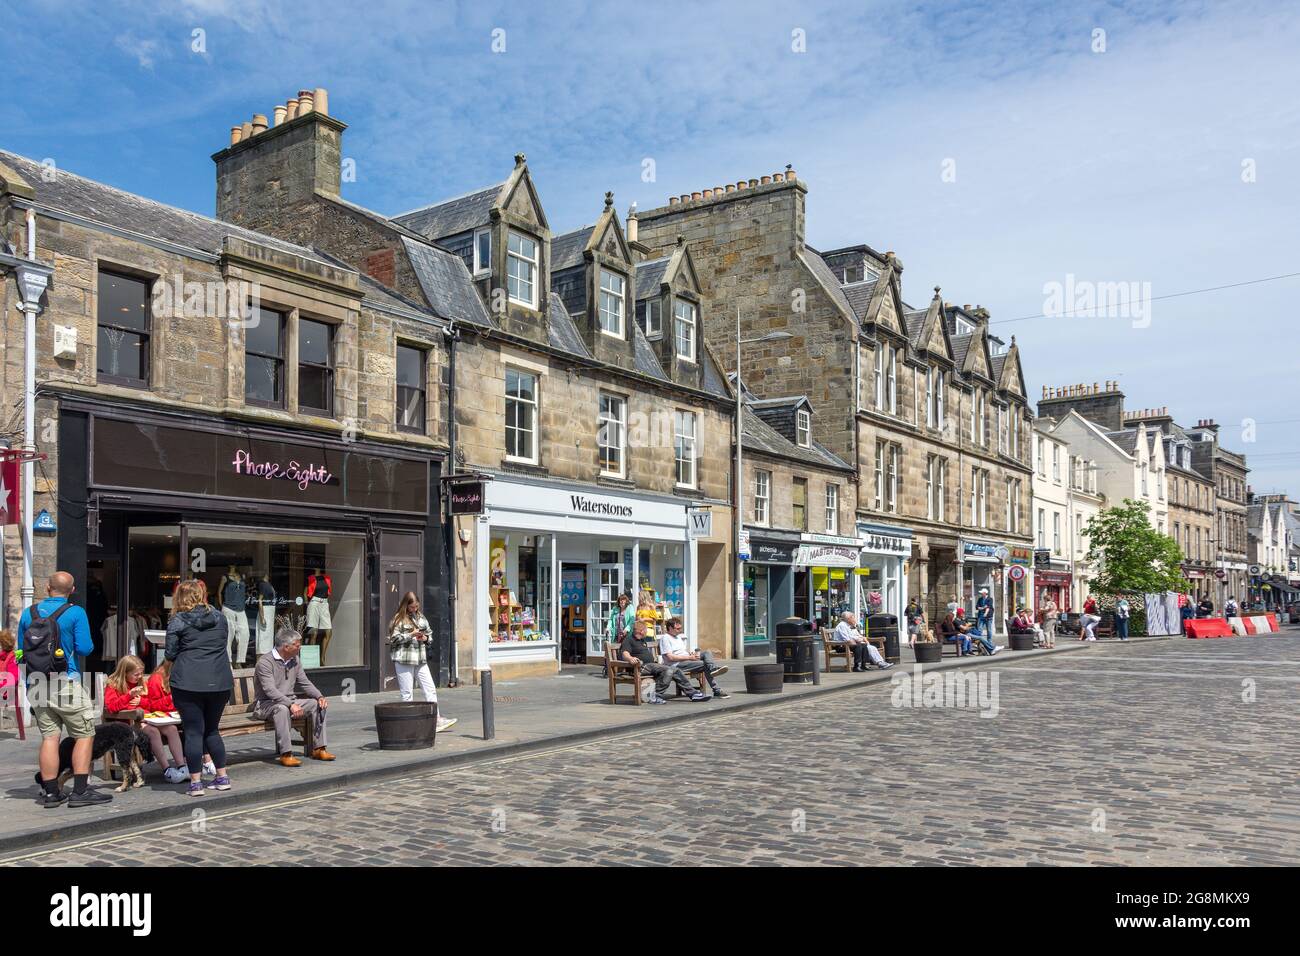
<point>43,644</point>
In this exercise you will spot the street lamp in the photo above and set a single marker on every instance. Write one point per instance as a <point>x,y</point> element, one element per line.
<point>738,632</point>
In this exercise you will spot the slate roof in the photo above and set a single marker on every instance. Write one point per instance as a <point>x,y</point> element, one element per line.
<point>126,211</point>
<point>376,293</point>
<point>566,250</point>
<point>999,362</point>
<point>914,322</point>
<point>759,436</point>
<point>649,276</point>
<point>1126,440</point>
<point>452,216</point>
<point>960,346</point>
<point>446,283</point>
<point>818,267</point>
<point>561,331</point>
<point>643,356</point>
<point>859,296</point>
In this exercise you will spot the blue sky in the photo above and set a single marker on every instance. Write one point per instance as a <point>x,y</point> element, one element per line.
<point>1122,165</point>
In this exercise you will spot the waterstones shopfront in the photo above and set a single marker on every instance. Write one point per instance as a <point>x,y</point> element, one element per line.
<point>550,561</point>
<point>281,525</point>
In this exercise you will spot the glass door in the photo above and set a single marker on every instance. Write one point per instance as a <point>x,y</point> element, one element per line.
<point>609,585</point>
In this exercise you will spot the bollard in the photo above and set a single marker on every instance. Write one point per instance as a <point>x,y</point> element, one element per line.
<point>489,715</point>
<point>817,664</point>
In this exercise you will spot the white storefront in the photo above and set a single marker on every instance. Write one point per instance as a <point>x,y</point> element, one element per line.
<point>882,568</point>
<point>551,561</point>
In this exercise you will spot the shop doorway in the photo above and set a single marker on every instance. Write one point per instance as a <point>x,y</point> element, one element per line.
<point>398,578</point>
<point>802,587</point>
<point>608,585</point>
<point>573,613</point>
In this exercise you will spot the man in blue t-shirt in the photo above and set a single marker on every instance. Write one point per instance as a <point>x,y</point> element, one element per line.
<point>61,703</point>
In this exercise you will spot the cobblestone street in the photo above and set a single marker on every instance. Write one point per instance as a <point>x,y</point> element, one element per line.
<point>1167,753</point>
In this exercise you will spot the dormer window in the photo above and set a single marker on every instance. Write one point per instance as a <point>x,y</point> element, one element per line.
<point>482,252</point>
<point>684,330</point>
<point>650,313</point>
<point>521,269</point>
<point>803,428</point>
<point>611,303</point>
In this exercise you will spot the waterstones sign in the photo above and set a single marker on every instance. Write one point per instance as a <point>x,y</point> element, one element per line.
<point>581,504</point>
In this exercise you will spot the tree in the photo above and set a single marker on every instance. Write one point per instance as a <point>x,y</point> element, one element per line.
<point>1131,554</point>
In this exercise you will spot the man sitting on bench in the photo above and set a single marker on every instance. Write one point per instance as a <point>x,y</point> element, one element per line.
<point>675,650</point>
<point>283,694</point>
<point>846,632</point>
<point>636,648</point>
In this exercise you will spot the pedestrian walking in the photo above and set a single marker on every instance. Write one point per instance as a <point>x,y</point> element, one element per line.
<point>51,634</point>
<point>1051,616</point>
<point>984,614</point>
<point>1121,619</point>
<point>409,635</point>
<point>198,642</point>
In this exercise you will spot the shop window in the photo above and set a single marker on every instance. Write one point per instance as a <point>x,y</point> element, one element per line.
<point>264,358</point>
<point>611,438</point>
<point>521,415</point>
<point>124,326</point>
<point>684,428</point>
<point>314,583</point>
<point>316,367</point>
<point>411,377</point>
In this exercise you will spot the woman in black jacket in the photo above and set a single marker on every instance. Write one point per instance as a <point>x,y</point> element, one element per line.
<point>201,681</point>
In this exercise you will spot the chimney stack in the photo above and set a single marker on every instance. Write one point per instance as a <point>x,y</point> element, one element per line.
<point>633,226</point>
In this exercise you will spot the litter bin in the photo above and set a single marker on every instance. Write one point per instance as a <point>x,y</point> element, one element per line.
<point>794,650</point>
<point>886,626</point>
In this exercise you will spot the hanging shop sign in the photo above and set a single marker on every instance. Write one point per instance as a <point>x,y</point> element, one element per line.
<point>1042,558</point>
<point>1220,573</point>
<point>1021,556</point>
<point>699,523</point>
<point>465,498</point>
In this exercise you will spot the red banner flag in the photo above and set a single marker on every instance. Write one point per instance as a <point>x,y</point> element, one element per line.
<point>10,493</point>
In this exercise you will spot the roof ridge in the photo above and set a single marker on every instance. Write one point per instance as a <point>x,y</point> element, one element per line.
<point>449,199</point>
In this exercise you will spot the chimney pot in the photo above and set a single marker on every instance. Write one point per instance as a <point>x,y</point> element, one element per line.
<point>320,100</point>
<point>708,194</point>
<point>731,187</point>
<point>765,180</point>
<point>742,184</point>
<point>236,134</point>
<point>278,115</point>
<point>304,102</point>
<point>672,200</point>
<point>290,110</point>
<point>789,174</point>
<point>246,131</point>
<point>685,197</point>
<point>696,196</point>
<point>259,123</point>
<point>753,183</point>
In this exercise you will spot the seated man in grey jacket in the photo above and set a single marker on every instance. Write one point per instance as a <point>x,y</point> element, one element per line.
<point>283,694</point>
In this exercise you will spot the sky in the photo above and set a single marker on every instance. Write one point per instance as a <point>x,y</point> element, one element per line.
<point>1003,151</point>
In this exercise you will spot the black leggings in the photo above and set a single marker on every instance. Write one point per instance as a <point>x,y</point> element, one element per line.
<point>200,712</point>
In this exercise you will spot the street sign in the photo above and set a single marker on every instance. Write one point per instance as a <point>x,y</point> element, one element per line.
<point>1220,573</point>
<point>44,522</point>
<point>1254,570</point>
<point>742,549</point>
<point>1016,572</point>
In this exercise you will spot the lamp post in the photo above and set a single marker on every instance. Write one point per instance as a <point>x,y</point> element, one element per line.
<point>738,512</point>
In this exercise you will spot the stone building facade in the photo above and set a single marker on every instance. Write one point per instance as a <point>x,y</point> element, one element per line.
<point>924,402</point>
<point>213,402</point>
<point>1229,473</point>
<point>562,401</point>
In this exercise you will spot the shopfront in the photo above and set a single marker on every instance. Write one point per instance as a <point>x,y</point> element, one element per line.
<point>552,560</point>
<point>769,590</point>
<point>981,567</point>
<point>882,569</point>
<point>824,578</point>
<point>1052,583</point>
<point>1019,579</point>
<point>284,528</point>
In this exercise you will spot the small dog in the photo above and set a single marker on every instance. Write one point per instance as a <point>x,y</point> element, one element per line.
<point>130,747</point>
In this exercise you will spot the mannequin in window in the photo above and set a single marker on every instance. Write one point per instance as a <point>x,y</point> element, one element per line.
<point>233,591</point>
<point>262,597</point>
<point>121,634</point>
<point>319,587</point>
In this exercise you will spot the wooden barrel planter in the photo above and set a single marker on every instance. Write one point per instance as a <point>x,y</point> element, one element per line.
<point>764,678</point>
<point>928,652</point>
<point>408,725</point>
<point>1022,640</point>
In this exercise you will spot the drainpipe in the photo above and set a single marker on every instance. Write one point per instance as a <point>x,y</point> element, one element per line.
<point>449,525</point>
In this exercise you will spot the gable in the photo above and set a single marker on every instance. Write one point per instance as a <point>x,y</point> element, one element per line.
<point>522,201</point>
<point>977,362</point>
<point>937,341</point>
<point>611,244</point>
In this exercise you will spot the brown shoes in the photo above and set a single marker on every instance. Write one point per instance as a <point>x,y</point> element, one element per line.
<point>289,760</point>
<point>320,753</point>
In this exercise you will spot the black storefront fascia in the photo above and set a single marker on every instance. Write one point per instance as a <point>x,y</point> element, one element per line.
<point>115,461</point>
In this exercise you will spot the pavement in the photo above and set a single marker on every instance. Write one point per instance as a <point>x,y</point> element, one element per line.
<point>1157,753</point>
<point>534,713</point>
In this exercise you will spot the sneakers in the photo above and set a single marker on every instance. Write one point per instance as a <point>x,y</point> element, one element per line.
<point>51,800</point>
<point>885,666</point>
<point>656,699</point>
<point>195,789</point>
<point>719,670</point>
<point>209,769</point>
<point>721,694</point>
<point>697,696</point>
<point>220,783</point>
<point>996,648</point>
<point>175,775</point>
<point>89,798</point>
<point>446,723</point>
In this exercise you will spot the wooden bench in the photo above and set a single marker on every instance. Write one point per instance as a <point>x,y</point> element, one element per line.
<point>237,718</point>
<point>619,672</point>
<point>844,649</point>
